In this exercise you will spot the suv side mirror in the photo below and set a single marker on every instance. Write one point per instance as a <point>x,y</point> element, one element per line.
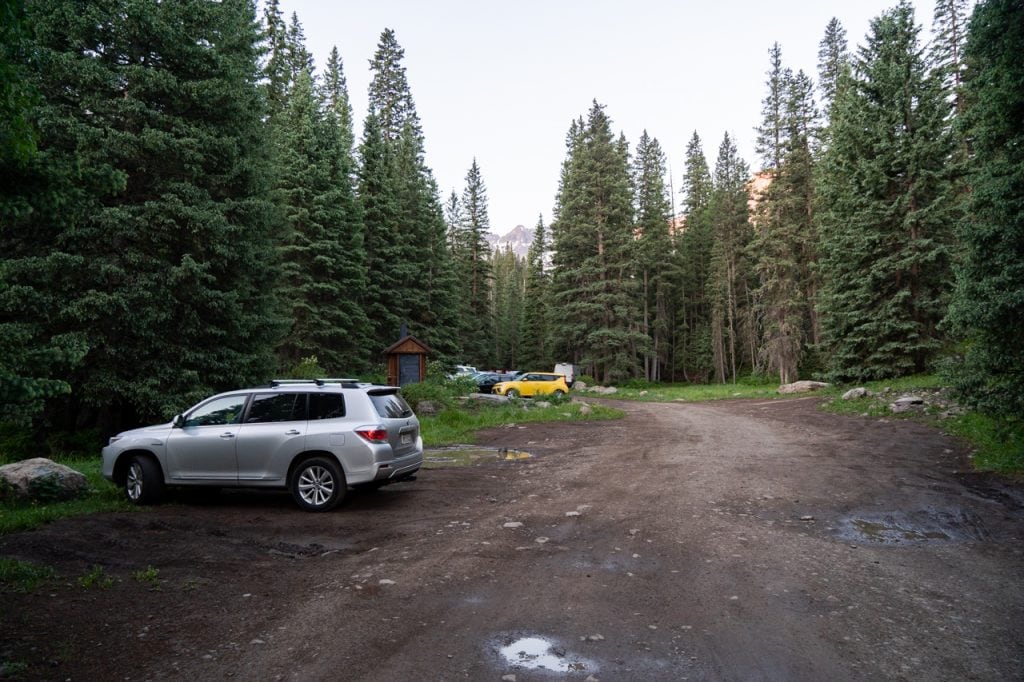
<point>178,421</point>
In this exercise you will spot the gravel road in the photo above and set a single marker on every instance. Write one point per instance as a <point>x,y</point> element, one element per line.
<point>737,540</point>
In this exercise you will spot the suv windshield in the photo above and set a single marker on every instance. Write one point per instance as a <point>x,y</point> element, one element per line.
<point>391,405</point>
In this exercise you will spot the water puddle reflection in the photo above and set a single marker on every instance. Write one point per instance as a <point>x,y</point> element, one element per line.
<point>469,455</point>
<point>534,653</point>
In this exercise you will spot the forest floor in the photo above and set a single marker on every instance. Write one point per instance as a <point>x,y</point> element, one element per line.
<point>734,540</point>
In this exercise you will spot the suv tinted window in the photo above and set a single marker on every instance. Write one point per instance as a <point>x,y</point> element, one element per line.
<point>226,410</point>
<point>391,405</point>
<point>276,407</point>
<point>326,406</point>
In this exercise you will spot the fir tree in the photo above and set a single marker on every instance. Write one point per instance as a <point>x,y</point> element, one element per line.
<point>949,34</point>
<point>535,295</point>
<point>337,102</point>
<point>770,134</point>
<point>655,257</point>
<point>693,353</point>
<point>474,267</point>
<point>592,289</point>
<point>833,60</point>
<point>156,253</point>
<point>988,306</point>
<point>887,210</point>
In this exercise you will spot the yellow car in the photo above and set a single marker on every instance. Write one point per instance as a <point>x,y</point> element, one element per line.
<point>532,384</point>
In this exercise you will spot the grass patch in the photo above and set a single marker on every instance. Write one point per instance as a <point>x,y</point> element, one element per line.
<point>694,393</point>
<point>459,425</point>
<point>103,496</point>
<point>23,576</point>
<point>998,445</point>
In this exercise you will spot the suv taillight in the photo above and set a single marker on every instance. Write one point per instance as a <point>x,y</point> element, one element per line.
<point>374,434</point>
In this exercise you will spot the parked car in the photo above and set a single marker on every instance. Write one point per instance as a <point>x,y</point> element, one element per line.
<point>485,381</point>
<point>462,371</point>
<point>315,438</point>
<point>533,384</point>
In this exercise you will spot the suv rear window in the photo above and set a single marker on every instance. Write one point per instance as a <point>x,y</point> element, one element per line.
<point>391,405</point>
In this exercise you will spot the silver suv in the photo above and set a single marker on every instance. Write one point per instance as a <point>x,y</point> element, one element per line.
<point>315,438</point>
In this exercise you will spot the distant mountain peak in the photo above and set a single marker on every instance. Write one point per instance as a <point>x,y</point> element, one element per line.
<point>519,239</point>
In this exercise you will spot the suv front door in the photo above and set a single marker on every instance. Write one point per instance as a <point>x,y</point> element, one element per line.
<point>203,448</point>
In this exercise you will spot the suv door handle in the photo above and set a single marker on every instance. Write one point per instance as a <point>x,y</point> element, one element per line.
<point>227,434</point>
<point>293,432</point>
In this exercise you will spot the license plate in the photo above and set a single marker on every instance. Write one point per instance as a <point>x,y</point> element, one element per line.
<point>406,438</point>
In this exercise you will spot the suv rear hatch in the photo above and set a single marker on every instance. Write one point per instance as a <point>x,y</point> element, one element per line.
<point>398,418</point>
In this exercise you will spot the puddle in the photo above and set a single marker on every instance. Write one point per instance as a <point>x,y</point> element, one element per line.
<point>469,455</point>
<point>904,528</point>
<point>534,653</point>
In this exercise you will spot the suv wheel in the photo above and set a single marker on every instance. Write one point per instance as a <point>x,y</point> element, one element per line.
<point>318,484</point>
<point>143,484</point>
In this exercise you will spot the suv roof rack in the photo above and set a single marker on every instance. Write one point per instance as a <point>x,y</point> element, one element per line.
<point>346,383</point>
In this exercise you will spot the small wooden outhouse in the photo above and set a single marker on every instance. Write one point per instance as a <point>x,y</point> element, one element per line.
<point>407,361</point>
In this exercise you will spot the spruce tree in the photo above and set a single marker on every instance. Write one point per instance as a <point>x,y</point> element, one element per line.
<point>732,337</point>
<point>887,208</point>
<point>833,60</point>
<point>988,306</point>
<point>693,357</point>
<point>474,267</point>
<point>593,293</point>
<point>655,257</point>
<point>949,35</point>
<point>536,323</point>
<point>157,256</point>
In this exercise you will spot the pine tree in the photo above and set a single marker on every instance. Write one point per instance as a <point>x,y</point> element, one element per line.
<point>276,69</point>
<point>887,210</point>
<point>508,308</point>
<point>729,286</point>
<point>536,323</point>
<point>693,353</point>
<point>150,236</point>
<point>337,102</point>
<point>474,269</point>
<point>949,31</point>
<point>655,257</point>
<point>988,305</point>
<point>593,293</point>
<point>833,60</point>
<point>770,134</point>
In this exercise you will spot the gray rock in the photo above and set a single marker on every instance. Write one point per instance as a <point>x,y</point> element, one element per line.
<point>41,479</point>
<point>579,386</point>
<point>802,386</point>
<point>542,403</point>
<point>907,403</point>
<point>585,408</point>
<point>603,390</point>
<point>428,407</point>
<point>855,393</point>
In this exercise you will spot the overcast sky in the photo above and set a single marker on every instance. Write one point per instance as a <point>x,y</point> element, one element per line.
<point>501,82</point>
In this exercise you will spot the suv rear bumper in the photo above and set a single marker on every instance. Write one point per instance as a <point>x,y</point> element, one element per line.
<point>398,468</point>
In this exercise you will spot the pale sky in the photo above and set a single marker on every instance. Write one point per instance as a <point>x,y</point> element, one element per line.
<point>502,82</point>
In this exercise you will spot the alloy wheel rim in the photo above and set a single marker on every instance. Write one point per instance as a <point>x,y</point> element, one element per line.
<point>134,483</point>
<point>316,486</point>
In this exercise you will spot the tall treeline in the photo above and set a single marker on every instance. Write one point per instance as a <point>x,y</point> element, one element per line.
<point>187,206</point>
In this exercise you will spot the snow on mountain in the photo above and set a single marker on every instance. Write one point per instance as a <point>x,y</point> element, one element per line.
<point>519,239</point>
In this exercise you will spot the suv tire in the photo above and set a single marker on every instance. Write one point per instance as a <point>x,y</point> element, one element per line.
<point>143,482</point>
<point>318,484</point>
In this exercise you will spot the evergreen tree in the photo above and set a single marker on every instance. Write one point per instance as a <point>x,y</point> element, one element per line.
<point>592,288</point>
<point>338,104</point>
<point>534,347</point>
<point>411,274</point>
<point>474,268</point>
<point>833,60</point>
<point>149,237</point>
<point>276,68</point>
<point>729,286</point>
<point>887,210</point>
<point>949,34</point>
<point>988,306</point>
<point>322,255</point>
<point>655,257</point>
<point>770,134</point>
<point>508,308</point>
<point>693,347</point>
<point>299,59</point>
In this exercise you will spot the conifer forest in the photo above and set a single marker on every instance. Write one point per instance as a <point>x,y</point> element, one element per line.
<point>188,206</point>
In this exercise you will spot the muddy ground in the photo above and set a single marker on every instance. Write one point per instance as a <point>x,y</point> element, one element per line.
<point>724,541</point>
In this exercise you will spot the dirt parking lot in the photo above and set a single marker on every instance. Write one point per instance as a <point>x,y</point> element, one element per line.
<point>724,541</point>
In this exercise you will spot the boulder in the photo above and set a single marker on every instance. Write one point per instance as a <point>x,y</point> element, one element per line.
<point>603,390</point>
<point>428,408</point>
<point>802,386</point>
<point>907,403</point>
<point>855,393</point>
<point>579,386</point>
<point>41,479</point>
